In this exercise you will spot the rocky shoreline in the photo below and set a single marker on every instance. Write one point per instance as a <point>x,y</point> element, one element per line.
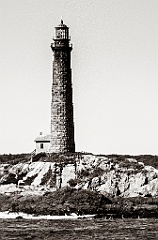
<point>123,176</point>
<point>71,202</point>
<point>80,183</point>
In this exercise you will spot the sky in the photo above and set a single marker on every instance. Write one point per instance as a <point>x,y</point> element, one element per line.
<point>114,73</point>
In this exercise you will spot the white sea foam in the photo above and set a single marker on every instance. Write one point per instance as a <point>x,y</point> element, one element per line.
<point>11,215</point>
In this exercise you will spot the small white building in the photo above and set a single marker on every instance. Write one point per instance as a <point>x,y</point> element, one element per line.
<point>42,143</point>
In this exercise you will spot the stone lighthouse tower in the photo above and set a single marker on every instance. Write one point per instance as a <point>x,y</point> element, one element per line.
<point>62,125</point>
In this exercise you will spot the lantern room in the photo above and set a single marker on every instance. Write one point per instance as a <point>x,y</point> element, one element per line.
<point>61,32</point>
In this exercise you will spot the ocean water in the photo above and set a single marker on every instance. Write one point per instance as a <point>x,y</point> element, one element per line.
<point>83,229</point>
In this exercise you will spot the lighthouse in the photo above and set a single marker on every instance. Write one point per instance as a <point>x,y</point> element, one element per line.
<point>62,122</point>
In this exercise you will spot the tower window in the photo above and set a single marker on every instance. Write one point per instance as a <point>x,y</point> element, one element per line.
<point>41,145</point>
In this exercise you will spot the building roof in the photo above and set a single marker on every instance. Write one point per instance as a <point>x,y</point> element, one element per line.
<point>43,138</point>
<point>62,25</point>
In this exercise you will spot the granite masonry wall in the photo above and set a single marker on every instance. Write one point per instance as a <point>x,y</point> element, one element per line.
<point>62,125</point>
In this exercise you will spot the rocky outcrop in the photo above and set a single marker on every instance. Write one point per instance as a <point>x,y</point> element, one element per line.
<point>109,176</point>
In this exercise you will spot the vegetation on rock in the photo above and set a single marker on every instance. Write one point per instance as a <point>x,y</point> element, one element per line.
<point>150,160</point>
<point>14,158</point>
<point>68,200</point>
<point>60,202</point>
